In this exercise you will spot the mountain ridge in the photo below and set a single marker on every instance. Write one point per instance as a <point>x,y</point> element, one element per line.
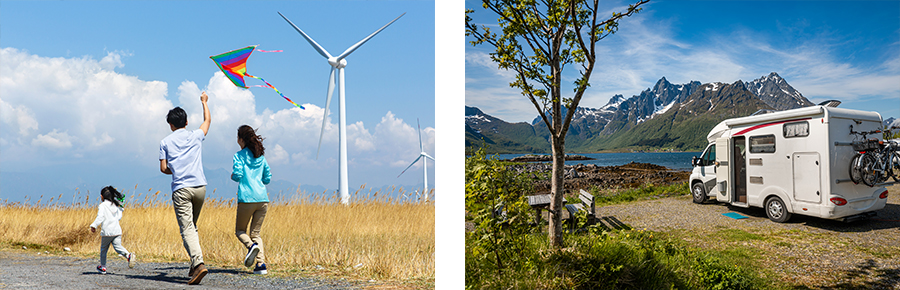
<point>665,116</point>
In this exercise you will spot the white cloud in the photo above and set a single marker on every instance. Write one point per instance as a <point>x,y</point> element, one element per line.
<point>277,155</point>
<point>19,117</point>
<point>53,140</point>
<point>112,60</point>
<point>647,48</point>
<point>77,104</point>
<point>82,108</point>
<point>103,140</point>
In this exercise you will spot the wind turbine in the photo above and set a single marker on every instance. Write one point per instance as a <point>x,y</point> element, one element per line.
<point>338,63</point>
<point>424,161</point>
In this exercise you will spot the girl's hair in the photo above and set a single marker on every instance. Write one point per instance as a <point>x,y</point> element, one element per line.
<point>111,194</point>
<point>251,140</point>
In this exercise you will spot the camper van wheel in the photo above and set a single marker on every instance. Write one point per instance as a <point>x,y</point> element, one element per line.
<point>699,192</point>
<point>776,211</point>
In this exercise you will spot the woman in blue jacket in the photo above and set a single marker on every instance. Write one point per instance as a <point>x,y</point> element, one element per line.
<point>251,171</point>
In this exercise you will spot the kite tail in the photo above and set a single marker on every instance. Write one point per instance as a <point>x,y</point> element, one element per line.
<point>276,90</point>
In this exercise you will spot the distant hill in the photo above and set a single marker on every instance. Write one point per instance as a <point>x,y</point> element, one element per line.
<point>666,116</point>
<point>501,136</point>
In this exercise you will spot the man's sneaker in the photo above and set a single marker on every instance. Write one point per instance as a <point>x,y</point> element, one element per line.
<point>199,272</point>
<point>131,260</point>
<point>101,269</point>
<point>260,269</point>
<point>250,259</point>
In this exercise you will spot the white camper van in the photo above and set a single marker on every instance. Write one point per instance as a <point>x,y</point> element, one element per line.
<point>789,162</point>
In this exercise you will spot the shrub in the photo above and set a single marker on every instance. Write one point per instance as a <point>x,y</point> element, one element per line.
<point>496,207</point>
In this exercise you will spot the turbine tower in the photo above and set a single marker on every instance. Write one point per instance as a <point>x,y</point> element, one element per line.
<point>338,63</point>
<point>424,161</point>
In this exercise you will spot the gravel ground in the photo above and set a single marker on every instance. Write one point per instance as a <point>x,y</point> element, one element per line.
<point>29,270</point>
<point>813,252</point>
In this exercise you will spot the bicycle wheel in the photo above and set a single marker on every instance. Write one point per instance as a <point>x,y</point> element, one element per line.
<point>868,164</point>
<point>895,166</point>
<point>855,169</point>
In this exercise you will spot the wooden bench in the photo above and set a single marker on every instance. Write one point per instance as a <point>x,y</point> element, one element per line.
<point>586,204</point>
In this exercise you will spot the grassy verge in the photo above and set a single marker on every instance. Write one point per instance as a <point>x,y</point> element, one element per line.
<point>626,259</point>
<point>603,197</point>
<point>369,239</point>
<point>503,251</point>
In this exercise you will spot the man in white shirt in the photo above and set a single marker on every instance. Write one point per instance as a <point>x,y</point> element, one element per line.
<point>180,155</point>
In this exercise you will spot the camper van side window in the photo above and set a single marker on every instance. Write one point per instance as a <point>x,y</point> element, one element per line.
<point>796,129</point>
<point>762,144</point>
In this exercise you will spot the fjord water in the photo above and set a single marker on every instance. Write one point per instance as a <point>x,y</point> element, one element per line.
<point>671,160</point>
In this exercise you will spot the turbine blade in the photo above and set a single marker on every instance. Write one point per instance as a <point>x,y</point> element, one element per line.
<point>410,165</point>
<point>420,135</point>
<point>325,115</point>
<point>312,42</point>
<point>358,44</point>
<point>426,155</point>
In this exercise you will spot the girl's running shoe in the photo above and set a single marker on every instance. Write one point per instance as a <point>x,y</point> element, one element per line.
<point>251,255</point>
<point>131,260</point>
<point>101,269</point>
<point>260,269</point>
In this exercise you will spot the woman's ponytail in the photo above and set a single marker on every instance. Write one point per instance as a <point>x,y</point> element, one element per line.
<point>251,140</point>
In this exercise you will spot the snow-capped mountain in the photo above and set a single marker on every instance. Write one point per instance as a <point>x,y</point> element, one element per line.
<point>693,103</point>
<point>776,92</point>
<point>890,122</point>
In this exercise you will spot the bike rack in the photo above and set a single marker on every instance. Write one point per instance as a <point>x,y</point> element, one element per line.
<point>877,184</point>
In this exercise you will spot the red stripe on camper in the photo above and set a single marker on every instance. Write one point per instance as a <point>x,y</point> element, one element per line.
<point>767,125</point>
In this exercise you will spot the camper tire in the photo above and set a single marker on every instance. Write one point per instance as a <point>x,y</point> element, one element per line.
<point>776,210</point>
<point>699,192</point>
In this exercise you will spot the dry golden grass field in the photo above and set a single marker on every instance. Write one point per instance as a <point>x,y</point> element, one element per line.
<point>372,238</point>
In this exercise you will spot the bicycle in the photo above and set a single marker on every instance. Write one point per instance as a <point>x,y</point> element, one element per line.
<point>875,161</point>
<point>861,147</point>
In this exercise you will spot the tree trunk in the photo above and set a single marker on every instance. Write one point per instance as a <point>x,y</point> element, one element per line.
<point>556,192</point>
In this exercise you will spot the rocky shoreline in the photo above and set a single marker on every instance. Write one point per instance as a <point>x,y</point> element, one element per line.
<point>547,158</point>
<point>581,176</point>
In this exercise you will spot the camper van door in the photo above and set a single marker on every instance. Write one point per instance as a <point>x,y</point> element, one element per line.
<point>723,173</point>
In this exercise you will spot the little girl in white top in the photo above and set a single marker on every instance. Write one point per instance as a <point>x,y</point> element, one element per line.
<point>108,215</point>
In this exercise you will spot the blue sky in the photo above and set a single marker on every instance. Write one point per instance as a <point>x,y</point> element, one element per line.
<point>844,50</point>
<point>85,86</point>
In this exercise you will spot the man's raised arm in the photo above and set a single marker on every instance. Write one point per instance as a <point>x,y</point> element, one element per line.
<point>206,116</point>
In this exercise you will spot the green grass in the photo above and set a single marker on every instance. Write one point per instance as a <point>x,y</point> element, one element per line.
<point>625,259</point>
<point>878,252</point>
<point>737,235</point>
<point>784,244</point>
<point>647,191</point>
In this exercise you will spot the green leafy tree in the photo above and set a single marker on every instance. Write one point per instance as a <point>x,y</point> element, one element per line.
<point>538,40</point>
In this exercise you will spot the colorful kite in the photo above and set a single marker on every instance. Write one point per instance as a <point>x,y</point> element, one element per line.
<point>234,65</point>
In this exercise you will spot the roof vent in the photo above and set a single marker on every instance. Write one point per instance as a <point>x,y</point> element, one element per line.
<point>830,103</point>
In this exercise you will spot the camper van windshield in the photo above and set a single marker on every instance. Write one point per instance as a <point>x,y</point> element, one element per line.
<point>709,157</point>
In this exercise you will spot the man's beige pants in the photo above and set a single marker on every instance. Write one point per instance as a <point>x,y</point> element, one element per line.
<point>188,202</point>
<point>246,211</point>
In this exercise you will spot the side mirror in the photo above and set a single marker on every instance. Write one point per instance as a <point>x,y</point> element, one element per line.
<point>694,160</point>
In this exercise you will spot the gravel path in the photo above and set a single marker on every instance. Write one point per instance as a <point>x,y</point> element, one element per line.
<point>816,253</point>
<point>27,270</point>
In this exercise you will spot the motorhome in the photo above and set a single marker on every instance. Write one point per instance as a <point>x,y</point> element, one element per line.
<point>789,162</point>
